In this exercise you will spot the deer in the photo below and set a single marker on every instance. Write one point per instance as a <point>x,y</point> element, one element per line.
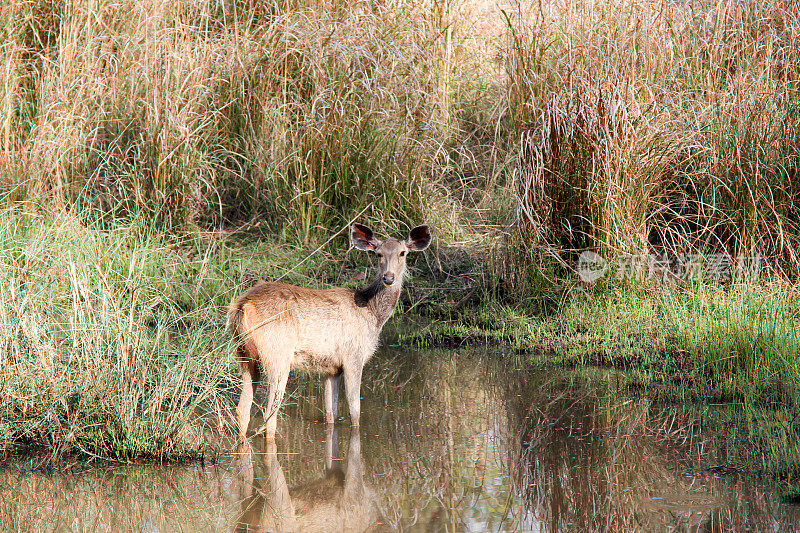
<point>333,332</point>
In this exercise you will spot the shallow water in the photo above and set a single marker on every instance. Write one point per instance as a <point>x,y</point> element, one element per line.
<point>451,441</point>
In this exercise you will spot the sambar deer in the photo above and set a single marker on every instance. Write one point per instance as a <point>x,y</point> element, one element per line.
<point>333,332</point>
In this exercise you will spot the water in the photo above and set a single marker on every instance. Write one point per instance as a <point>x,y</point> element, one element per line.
<point>449,442</point>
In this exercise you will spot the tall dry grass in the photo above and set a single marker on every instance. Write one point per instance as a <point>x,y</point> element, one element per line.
<point>300,115</point>
<point>657,127</point>
<point>624,126</point>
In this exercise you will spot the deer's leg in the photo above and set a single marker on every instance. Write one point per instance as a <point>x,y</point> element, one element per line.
<point>250,377</point>
<point>331,384</point>
<point>352,383</point>
<point>277,388</point>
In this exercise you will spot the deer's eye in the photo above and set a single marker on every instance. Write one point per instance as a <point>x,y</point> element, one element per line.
<point>402,254</point>
<point>379,255</point>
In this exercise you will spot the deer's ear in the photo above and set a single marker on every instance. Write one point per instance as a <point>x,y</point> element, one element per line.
<point>363,238</point>
<point>419,238</point>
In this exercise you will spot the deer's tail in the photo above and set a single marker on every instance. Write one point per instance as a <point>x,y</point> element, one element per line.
<point>235,318</point>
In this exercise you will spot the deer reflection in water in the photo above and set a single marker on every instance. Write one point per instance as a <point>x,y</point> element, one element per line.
<point>338,501</point>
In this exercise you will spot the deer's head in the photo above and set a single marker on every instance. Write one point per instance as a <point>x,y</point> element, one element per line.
<point>391,252</point>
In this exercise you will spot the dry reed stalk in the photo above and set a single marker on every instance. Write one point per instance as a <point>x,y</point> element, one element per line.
<point>655,128</point>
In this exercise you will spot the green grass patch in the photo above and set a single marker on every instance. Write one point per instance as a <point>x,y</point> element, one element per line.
<point>700,341</point>
<point>114,339</point>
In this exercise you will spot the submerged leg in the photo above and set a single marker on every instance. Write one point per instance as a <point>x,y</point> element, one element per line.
<point>352,383</point>
<point>331,384</point>
<point>250,377</point>
<point>277,388</point>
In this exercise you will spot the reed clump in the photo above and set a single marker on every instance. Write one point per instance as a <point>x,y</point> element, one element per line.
<point>626,127</point>
<point>655,127</point>
<point>303,116</point>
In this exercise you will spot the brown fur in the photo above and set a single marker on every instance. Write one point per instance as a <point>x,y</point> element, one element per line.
<point>333,332</point>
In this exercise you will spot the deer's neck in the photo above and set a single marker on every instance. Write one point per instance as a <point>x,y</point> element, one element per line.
<point>379,299</point>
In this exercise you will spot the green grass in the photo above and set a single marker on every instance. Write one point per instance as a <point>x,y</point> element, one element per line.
<point>114,340</point>
<point>111,342</point>
<point>701,340</point>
